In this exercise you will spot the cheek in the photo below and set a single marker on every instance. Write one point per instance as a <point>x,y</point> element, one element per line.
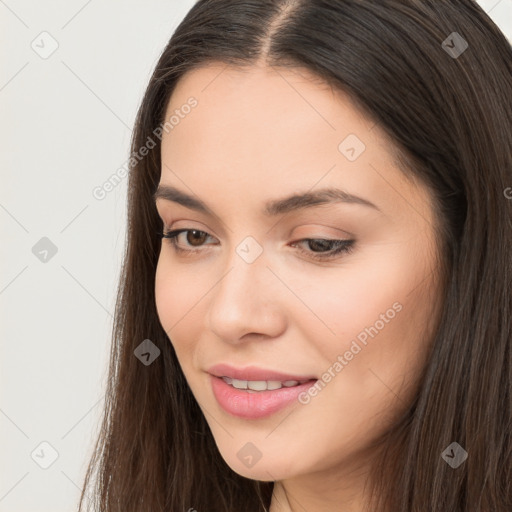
<point>373,316</point>
<point>177,297</point>
<point>380,340</point>
<point>342,303</point>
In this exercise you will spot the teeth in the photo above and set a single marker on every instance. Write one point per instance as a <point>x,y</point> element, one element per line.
<point>273,384</point>
<point>260,385</point>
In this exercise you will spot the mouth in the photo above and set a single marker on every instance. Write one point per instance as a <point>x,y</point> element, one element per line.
<point>239,398</point>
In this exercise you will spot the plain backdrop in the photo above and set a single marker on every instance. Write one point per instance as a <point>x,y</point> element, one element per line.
<point>72,76</point>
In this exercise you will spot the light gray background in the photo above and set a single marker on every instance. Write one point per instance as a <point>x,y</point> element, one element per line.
<point>66,126</point>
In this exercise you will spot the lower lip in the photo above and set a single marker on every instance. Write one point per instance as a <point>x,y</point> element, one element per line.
<point>255,405</point>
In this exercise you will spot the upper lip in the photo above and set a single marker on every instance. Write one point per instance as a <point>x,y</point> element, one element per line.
<point>255,373</point>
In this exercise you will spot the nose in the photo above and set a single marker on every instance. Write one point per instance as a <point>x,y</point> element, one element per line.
<point>247,302</point>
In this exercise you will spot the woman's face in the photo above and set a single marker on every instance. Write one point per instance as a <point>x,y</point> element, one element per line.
<point>253,295</point>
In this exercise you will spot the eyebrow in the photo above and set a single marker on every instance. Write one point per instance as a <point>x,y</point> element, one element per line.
<point>274,207</point>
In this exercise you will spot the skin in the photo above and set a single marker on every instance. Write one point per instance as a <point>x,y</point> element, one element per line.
<point>259,134</point>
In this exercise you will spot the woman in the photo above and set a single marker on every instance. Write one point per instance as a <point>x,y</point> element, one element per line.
<point>314,309</point>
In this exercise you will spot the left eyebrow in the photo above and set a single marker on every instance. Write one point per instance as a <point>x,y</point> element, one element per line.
<point>274,207</point>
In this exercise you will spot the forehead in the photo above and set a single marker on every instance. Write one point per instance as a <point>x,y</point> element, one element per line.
<point>283,97</point>
<point>256,129</point>
<point>269,116</point>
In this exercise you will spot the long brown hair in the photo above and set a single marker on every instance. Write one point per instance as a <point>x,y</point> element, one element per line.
<point>436,76</point>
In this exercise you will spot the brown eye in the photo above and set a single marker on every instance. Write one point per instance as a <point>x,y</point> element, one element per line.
<point>320,245</point>
<point>323,249</point>
<point>195,236</point>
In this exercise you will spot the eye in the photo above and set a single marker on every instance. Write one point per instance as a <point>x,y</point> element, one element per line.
<point>197,237</point>
<point>336,247</point>
<point>322,248</point>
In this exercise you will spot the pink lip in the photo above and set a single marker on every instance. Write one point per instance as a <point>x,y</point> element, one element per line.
<point>246,405</point>
<point>254,373</point>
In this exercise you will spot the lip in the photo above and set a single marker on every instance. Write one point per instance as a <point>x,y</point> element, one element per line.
<point>243,404</point>
<point>255,373</point>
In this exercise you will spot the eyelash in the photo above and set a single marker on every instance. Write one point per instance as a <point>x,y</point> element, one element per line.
<point>340,246</point>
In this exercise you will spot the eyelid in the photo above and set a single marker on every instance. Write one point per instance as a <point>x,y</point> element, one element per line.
<point>189,225</point>
<point>296,219</point>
